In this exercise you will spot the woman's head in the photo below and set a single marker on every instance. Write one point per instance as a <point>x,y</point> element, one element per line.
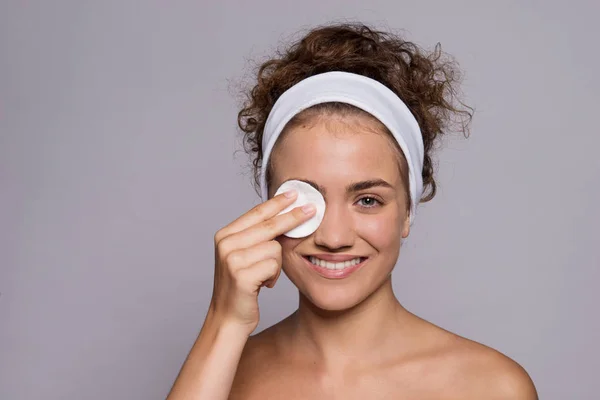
<point>336,145</point>
<point>336,154</point>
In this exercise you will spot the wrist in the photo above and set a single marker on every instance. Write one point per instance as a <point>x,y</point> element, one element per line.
<point>222,324</point>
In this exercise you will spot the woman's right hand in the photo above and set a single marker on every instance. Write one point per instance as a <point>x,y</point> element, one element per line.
<point>247,257</point>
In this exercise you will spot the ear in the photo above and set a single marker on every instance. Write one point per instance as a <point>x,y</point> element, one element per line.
<point>406,226</point>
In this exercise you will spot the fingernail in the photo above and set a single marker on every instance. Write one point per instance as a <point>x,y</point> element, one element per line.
<point>308,208</point>
<point>290,193</point>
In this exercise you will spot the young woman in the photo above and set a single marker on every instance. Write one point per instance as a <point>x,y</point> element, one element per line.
<point>354,112</point>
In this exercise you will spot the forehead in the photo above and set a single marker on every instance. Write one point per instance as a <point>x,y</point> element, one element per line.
<point>334,151</point>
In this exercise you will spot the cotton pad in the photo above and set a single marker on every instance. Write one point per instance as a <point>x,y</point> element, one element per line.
<point>306,194</point>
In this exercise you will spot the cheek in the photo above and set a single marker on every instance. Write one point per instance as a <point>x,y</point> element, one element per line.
<point>287,244</point>
<point>380,230</point>
<point>289,257</point>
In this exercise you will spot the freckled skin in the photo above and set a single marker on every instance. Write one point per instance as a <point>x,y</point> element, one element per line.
<point>349,226</point>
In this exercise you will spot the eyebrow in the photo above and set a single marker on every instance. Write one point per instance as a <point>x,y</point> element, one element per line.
<point>352,187</point>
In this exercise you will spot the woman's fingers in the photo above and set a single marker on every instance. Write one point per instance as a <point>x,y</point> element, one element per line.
<point>266,230</point>
<point>247,257</point>
<point>260,213</point>
<point>243,258</point>
<point>256,274</point>
<point>273,280</point>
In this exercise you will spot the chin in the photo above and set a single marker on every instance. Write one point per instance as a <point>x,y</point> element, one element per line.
<point>334,300</point>
<point>334,294</point>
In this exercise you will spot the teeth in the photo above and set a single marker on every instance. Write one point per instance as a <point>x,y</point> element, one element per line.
<point>330,265</point>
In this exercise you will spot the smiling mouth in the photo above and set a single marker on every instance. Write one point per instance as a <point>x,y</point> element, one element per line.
<point>330,271</point>
<point>334,265</point>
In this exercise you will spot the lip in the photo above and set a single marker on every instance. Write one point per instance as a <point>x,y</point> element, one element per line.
<point>335,273</point>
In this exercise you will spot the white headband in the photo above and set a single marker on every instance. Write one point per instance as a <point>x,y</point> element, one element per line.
<point>362,92</point>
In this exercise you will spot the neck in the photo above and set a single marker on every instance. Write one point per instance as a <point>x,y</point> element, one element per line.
<point>341,337</point>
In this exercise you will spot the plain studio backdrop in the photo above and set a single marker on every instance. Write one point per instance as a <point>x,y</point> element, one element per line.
<point>117,166</point>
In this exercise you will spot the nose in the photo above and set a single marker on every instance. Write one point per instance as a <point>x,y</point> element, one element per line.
<point>336,230</point>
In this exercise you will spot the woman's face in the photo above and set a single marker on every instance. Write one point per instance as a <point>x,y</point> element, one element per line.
<point>334,153</point>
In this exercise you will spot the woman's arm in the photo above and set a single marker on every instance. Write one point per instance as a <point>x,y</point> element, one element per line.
<point>247,257</point>
<point>210,367</point>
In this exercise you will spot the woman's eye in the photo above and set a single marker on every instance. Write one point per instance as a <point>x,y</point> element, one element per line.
<point>369,202</point>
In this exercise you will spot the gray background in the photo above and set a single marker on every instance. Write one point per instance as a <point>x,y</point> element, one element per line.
<point>117,166</point>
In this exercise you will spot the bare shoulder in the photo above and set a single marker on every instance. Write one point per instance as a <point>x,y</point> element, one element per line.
<point>480,371</point>
<point>258,360</point>
<point>502,377</point>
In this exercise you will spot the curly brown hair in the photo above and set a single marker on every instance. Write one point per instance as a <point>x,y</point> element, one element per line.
<point>426,82</point>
